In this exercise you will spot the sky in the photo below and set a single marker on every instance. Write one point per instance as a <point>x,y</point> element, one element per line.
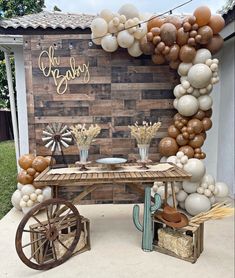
<point>151,6</point>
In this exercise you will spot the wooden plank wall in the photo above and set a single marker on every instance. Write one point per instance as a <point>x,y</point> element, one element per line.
<point>121,91</point>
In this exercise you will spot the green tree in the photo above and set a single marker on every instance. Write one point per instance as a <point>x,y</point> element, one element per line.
<point>12,8</point>
<point>56,9</point>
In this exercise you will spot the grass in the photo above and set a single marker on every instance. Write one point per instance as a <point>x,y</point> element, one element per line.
<point>8,173</point>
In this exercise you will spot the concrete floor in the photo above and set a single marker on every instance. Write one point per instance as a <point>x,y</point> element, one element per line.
<point>116,251</point>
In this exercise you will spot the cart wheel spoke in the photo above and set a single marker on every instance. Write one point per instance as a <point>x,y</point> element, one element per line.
<point>32,231</point>
<point>63,218</point>
<point>37,249</point>
<point>62,243</point>
<point>45,251</point>
<point>39,222</point>
<point>54,251</point>
<point>32,242</point>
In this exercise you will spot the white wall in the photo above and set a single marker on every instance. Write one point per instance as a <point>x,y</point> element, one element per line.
<point>21,99</point>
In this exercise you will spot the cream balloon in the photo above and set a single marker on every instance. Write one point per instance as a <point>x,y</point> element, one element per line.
<point>129,10</point>
<point>181,196</point>
<point>196,168</point>
<point>112,28</point>
<point>47,193</point>
<point>199,76</point>
<point>141,31</point>
<point>184,68</point>
<point>99,27</point>
<point>172,159</point>
<point>33,197</point>
<point>29,203</point>
<point>38,191</point>
<point>205,102</point>
<point>222,189</point>
<point>95,40</point>
<point>196,203</point>
<point>202,56</point>
<point>25,198</point>
<point>170,201</point>
<point>27,189</point>
<point>190,187</point>
<point>135,50</point>
<point>187,105</point>
<point>109,43</point>
<point>208,179</point>
<point>15,199</point>
<point>125,39</point>
<point>175,103</point>
<point>40,198</point>
<point>19,186</point>
<point>106,14</point>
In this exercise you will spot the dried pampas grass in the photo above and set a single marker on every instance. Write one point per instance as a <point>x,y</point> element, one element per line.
<point>218,211</point>
<point>84,136</point>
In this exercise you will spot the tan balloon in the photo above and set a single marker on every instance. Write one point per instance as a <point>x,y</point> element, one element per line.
<point>187,53</point>
<point>203,15</point>
<point>146,47</point>
<point>181,141</point>
<point>173,131</point>
<point>129,10</point>
<point>135,50</point>
<point>168,146</point>
<point>25,161</point>
<point>196,125</point>
<point>197,142</point>
<point>168,33</point>
<point>106,14</point>
<point>207,123</point>
<point>216,23</point>
<point>215,44</point>
<point>109,43</point>
<point>155,22</point>
<point>182,37</point>
<point>206,34</point>
<point>141,31</point>
<point>99,27</point>
<point>187,150</point>
<point>125,39</point>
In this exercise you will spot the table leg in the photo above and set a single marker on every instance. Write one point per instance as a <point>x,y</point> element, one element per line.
<point>173,195</point>
<point>165,200</point>
<point>136,187</point>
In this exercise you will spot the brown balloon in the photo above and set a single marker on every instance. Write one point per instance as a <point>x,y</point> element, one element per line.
<point>190,129</point>
<point>191,136</point>
<point>187,53</point>
<point>198,38</point>
<point>173,131</point>
<point>197,155</point>
<point>175,20</point>
<point>155,31</point>
<point>184,120</point>
<point>203,134</point>
<point>39,163</point>
<point>184,129</point>
<point>149,36</point>
<point>202,15</point>
<point>174,64</point>
<point>182,37</point>
<point>177,117</point>
<point>197,142</point>
<point>192,19</point>
<point>185,135</point>
<point>174,53</point>
<point>166,50</point>
<point>208,113</point>
<point>31,171</point>
<point>155,22</point>
<point>196,125</point>
<point>191,42</point>
<point>26,160</point>
<point>146,47</point>
<point>203,155</point>
<point>198,150</point>
<point>187,26</point>
<point>193,34</point>
<point>168,33</point>
<point>216,23</point>
<point>156,40</point>
<point>195,26</point>
<point>207,123</point>
<point>168,146</point>
<point>206,34</point>
<point>215,44</point>
<point>161,46</point>
<point>24,178</point>
<point>187,150</point>
<point>181,140</point>
<point>199,115</point>
<point>158,59</point>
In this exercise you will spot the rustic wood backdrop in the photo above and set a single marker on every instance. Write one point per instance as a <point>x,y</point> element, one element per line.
<point>121,91</point>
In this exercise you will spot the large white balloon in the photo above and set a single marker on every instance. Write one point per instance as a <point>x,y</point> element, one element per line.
<point>129,10</point>
<point>199,76</point>
<point>205,102</point>
<point>196,168</point>
<point>109,43</point>
<point>221,189</point>
<point>135,50</point>
<point>15,199</point>
<point>190,187</point>
<point>196,203</point>
<point>187,105</point>
<point>27,189</point>
<point>201,56</point>
<point>125,39</point>
<point>106,14</point>
<point>208,179</point>
<point>99,27</point>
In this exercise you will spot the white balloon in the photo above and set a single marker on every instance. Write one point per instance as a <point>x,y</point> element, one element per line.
<point>179,154</point>
<point>209,179</point>
<point>155,188</point>
<point>184,68</point>
<point>200,190</point>
<point>47,193</point>
<point>199,76</point>
<point>40,198</point>
<point>159,183</point>
<point>190,187</point>
<point>196,203</point>
<point>202,56</point>
<point>25,198</point>
<point>172,159</point>
<point>15,199</point>
<point>141,31</point>
<point>23,204</point>
<point>178,184</point>
<point>204,185</point>
<point>161,192</point>
<point>135,50</point>
<point>177,92</point>
<point>209,62</point>
<point>95,40</point>
<point>19,186</point>
<point>27,189</point>
<point>112,28</point>
<point>222,189</point>
<point>33,197</point>
<point>99,27</point>
<point>212,200</point>
<point>181,196</point>
<point>29,203</point>
<point>109,43</point>
<point>196,93</point>
<point>211,187</point>
<point>125,39</point>
<point>170,202</point>
<point>196,168</point>
<point>38,191</point>
<point>205,102</point>
<point>182,205</point>
<point>106,14</point>
<point>176,189</point>
<point>187,105</point>
<point>207,193</point>
<point>190,90</point>
<point>163,159</point>
<point>184,159</point>
<point>129,10</point>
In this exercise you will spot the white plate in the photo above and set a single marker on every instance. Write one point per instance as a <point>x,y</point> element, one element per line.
<point>111,160</point>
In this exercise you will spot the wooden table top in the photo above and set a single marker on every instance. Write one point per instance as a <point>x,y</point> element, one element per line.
<point>86,178</point>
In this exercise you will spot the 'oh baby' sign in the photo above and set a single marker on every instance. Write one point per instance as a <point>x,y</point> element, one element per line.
<point>49,65</point>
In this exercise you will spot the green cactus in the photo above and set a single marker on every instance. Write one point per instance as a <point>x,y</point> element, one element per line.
<point>147,227</point>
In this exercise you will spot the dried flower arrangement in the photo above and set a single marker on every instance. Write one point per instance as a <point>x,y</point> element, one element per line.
<point>145,132</point>
<point>218,211</point>
<point>84,136</point>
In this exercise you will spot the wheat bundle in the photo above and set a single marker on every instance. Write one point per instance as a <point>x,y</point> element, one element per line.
<point>218,211</point>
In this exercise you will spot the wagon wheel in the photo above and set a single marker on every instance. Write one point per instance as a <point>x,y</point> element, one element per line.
<point>46,236</point>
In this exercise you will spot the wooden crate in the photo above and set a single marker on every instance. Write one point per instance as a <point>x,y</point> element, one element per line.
<point>195,231</point>
<point>39,254</point>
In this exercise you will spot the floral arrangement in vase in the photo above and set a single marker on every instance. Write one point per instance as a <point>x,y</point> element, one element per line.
<point>84,137</point>
<point>143,135</point>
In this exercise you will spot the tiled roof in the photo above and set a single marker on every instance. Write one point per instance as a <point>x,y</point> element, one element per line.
<point>228,6</point>
<point>47,19</point>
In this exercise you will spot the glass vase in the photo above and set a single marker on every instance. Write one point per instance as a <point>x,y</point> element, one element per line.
<point>143,152</point>
<point>83,152</point>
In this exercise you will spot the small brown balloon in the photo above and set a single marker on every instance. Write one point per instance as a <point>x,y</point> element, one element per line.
<point>187,26</point>
<point>180,125</point>
<point>156,40</point>
<point>184,120</point>
<point>155,22</point>
<point>174,53</point>
<point>166,50</point>
<point>182,37</point>
<point>150,36</point>
<point>168,33</point>
<point>193,34</point>
<point>196,125</point>
<point>198,38</point>
<point>185,135</point>
<point>203,134</point>
<point>155,31</point>
<point>198,150</point>
<point>216,23</point>
<point>184,129</point>
<point>197,141</point>
<point>191,136</point>
<point>177,117</point>
<point>31,171</point>
<point>24,178</point>
<point>161,46</point>
<point>203,155</point>
<point>173,131</point>
<point>197,155</point>
<point>158,59</point>
<point>195,26</point>
<point>206,34</point>
<point>207,123</point>
<point>187,53</point>
<point>215,44</point>
<point>192,19</point>
<point>187,150</point>
<point>191,42</point>
<point>208,113</point>
<point>174,64</point>
<point>146,47</point>
<point>181,141</point>
<point>190,130</point>
<point>200,115</point>
<point>168,146</point>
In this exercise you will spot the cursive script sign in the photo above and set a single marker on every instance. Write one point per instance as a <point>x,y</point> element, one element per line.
<point>48,64</point>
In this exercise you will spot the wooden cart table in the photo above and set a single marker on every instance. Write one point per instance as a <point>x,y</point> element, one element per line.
<point>130,174</point>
